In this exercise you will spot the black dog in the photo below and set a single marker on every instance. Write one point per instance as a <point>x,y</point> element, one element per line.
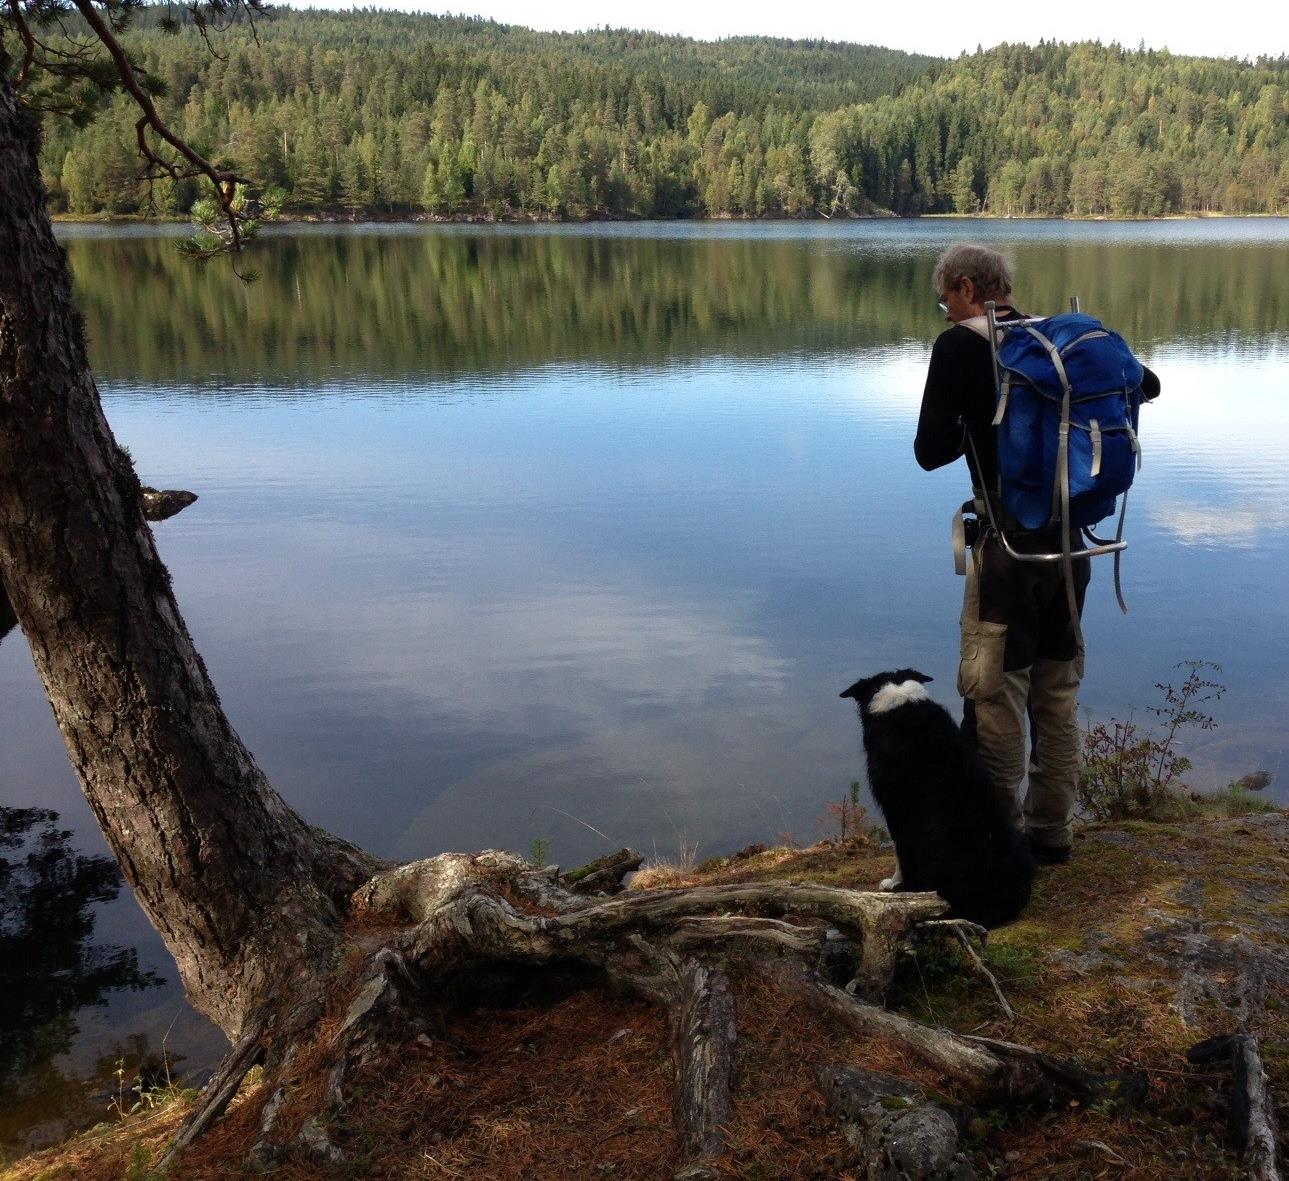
<point>952,829</point>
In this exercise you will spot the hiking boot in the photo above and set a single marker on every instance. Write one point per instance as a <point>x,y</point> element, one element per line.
<point>1047,854</point>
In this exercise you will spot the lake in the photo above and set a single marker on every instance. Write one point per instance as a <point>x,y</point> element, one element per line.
<point>573,534</point>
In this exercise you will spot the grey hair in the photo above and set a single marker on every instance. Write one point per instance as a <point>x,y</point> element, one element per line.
<point>986,268</point>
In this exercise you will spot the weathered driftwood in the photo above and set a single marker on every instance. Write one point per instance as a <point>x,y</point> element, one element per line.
<point>603,875</point>
<point>1253,1118</point>
<point>900,1132</point>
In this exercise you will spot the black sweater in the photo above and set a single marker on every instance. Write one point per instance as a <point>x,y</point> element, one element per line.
<point>960,392</point>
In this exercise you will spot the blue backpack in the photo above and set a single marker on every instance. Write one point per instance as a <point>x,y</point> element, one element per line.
<point>1069,393</point>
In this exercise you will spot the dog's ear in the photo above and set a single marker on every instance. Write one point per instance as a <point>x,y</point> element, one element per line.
<point>854,691</point>
<point>912,674</point>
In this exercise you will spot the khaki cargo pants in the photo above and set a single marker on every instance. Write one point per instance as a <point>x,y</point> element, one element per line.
<point>1019,675</point>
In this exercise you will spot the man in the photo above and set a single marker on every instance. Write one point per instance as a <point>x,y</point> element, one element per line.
<point>1021,660</point>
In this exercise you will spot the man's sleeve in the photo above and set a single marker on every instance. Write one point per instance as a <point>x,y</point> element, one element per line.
<point>941,437</point>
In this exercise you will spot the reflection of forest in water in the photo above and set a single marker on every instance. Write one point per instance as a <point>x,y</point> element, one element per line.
<point>396,306</point>
<point>50,969</point>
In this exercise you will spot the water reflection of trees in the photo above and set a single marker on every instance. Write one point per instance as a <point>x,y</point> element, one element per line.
<point>405,306</point>
<point>50,969</point>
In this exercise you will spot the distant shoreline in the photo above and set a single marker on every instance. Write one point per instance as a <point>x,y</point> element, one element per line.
<point>528,219</point>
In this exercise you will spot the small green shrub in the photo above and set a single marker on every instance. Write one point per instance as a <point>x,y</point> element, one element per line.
<point>140,1167</point>
<point>1134,773</point>
<point>539,852</point>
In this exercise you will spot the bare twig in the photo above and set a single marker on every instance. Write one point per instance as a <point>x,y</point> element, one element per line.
<point>988,975</point>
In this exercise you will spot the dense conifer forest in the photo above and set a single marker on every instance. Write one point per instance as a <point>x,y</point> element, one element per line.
<point>371,113</point>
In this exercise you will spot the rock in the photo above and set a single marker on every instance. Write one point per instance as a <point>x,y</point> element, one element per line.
<point>161,505</point>
<point>1255,781</point>
<point>901,1135</point>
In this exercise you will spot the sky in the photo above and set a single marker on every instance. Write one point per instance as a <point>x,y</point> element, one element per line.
<point>939,27</point>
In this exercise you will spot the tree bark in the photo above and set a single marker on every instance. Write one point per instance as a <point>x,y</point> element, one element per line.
<point>237,883</point>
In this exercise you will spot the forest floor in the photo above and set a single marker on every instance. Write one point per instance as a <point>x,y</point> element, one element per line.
<point>1152,938</point>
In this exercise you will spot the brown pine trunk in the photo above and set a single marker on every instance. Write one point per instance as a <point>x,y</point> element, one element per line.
<point>232,878</point>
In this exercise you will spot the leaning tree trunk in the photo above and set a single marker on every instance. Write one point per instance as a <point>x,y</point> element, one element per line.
<point>237,884</point>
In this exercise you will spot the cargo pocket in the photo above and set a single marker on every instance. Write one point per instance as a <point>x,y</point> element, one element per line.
<point>980,669</point>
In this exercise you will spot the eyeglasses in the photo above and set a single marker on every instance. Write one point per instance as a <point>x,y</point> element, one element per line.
<point>944,307</point>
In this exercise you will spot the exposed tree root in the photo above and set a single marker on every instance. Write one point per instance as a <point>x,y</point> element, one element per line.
<point>219,1092</point>
<point>991,1070</point>
<point>436,929</point>
<point>1253,1118</point>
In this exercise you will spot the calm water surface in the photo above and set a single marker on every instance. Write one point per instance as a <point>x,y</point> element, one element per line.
<point>508,534</point>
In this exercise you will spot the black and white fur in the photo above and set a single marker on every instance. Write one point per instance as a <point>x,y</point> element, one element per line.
<point>952,829</point>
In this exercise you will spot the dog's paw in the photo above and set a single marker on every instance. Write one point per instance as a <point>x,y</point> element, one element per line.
<point>891,885</point>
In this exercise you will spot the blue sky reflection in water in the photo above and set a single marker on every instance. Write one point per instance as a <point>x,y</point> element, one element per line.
<point>497,525</point>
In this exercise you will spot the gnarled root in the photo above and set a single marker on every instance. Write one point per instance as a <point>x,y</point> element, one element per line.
<point>436,929</point>
<point>219,1092</point>
<point>991,1070</point>
<point>385,1013</point>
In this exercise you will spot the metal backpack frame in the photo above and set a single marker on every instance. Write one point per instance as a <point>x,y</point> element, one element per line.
<point>1060,494</point>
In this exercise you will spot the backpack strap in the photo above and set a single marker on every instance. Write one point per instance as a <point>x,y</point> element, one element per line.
<point>1061,491</point>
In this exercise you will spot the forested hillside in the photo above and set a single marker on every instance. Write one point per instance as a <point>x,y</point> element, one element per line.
<point>389,113</point>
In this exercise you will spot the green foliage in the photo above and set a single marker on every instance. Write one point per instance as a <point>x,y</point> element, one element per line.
<point>1236,800</point>
<point>1131,773</point>
<point>140,1166</point>
<point>390,112</point>
<point>539,852</point>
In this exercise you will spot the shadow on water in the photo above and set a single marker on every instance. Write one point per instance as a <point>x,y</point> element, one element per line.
<point>50,971</point>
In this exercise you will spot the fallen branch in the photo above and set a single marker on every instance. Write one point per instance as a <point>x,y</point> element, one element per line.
<point>1252,1116</point>
<point>703,1039</point>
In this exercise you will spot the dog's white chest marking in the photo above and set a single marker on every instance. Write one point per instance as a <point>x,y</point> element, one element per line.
<point>890,697</point>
